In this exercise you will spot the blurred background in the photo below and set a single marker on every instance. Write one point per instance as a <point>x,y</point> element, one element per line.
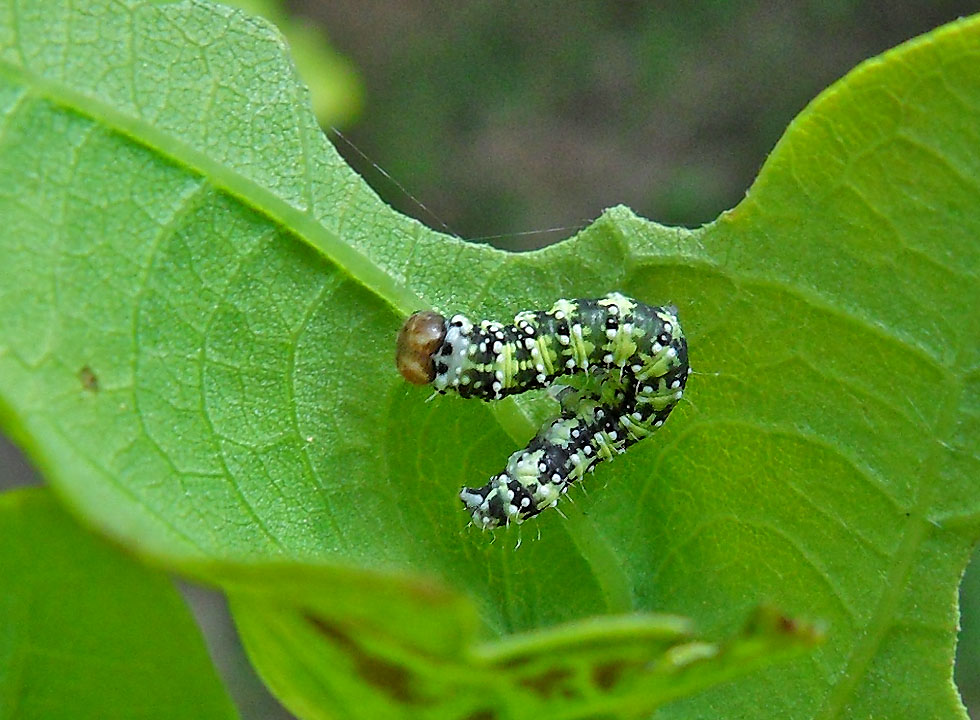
<point>498,121</point>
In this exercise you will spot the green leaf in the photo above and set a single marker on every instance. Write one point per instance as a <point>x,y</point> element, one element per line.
<point>198,301</point>
<point>344,643</point>
<point>87,632</point>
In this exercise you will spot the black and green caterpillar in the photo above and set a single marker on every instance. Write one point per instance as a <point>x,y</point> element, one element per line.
<point>623,366</point>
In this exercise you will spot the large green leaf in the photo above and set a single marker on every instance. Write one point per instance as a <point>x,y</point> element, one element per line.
<point>87,632</point>
<point>197,308</point>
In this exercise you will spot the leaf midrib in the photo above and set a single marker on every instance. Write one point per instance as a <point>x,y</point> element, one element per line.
<point>253,195</point>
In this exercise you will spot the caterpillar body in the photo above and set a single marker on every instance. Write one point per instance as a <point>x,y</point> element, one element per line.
<point>622,366</point>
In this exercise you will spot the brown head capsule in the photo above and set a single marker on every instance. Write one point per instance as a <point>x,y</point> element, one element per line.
<point>418,340</point>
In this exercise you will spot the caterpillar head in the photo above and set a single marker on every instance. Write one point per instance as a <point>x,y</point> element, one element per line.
<point>418,340</point>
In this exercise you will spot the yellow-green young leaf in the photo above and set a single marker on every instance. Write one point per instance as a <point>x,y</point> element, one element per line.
<point>344,643</point>
<point>198,303</point>
<point>87,632</point>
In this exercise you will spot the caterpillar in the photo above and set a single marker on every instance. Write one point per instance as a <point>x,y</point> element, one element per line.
<point>622,364</point>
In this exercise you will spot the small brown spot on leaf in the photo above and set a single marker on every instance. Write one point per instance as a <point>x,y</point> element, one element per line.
<point>605,676</point>
<point>387,676</point>
<point>484,714</point>
<point>512,663</point>
<point>549,683</point>
<point>90,381</point>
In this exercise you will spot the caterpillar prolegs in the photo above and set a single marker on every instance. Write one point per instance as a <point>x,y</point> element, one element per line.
<point>622,364</point>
